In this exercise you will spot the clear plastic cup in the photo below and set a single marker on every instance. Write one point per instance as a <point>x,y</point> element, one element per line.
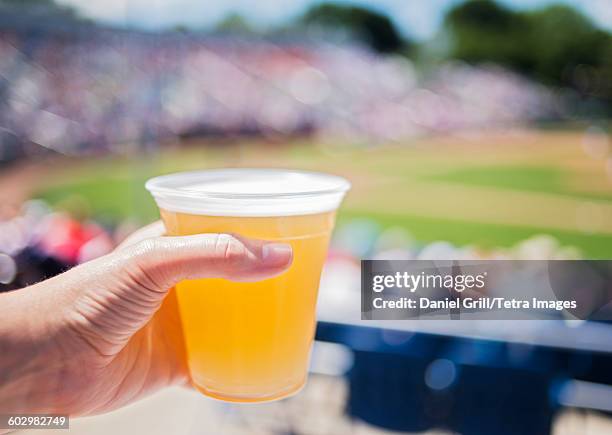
<point>250,341</point>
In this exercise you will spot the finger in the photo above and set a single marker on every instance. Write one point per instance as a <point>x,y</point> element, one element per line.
<point>116,295</point>
<point>163,261</point>
<point>156,229</point>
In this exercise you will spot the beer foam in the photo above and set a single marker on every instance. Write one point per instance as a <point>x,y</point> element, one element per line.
<point>248,192</point>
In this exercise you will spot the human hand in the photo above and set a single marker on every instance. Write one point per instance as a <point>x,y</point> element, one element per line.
<point>107,332</point>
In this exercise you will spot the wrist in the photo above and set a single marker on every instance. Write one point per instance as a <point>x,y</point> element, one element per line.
<point>31,363</point>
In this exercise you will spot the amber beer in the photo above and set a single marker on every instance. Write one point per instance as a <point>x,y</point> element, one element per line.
<point>250,341</point>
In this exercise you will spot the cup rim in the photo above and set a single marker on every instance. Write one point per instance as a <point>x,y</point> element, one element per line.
<point>155,185</point>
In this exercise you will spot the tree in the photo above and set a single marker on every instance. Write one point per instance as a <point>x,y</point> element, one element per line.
<point>234,23</point>
<point>482,30</point>
<point>373,28</point>
<point>27,3</point>
<point>562,39</point>
<point>48,7</point>
<point>549,44</point>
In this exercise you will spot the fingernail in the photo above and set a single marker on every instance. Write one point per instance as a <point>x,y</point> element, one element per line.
<point>276,254</point>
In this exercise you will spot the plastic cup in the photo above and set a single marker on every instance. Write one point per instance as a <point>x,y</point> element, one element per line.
<point>250,341</point>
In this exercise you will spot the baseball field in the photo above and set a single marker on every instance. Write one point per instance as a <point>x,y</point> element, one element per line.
<point>486,190</point>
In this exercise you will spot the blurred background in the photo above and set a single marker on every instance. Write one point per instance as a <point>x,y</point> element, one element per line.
<point>469,129</point>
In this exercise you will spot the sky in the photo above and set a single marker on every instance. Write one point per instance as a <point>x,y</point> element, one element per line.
<point>418,19</point>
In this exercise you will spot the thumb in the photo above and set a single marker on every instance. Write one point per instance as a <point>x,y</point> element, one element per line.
<point>161,262</point>
<point>132,282</point>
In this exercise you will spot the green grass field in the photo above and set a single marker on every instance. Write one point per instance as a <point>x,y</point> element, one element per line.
<point>488,191</point>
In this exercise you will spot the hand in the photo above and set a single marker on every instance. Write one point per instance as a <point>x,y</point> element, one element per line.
<point>105,333</point>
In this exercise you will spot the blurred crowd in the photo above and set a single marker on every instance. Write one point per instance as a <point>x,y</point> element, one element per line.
<point>40,242</point>
<point>106,90</point>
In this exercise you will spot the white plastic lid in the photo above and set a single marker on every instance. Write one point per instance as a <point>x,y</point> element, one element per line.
<point>248,192</point>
